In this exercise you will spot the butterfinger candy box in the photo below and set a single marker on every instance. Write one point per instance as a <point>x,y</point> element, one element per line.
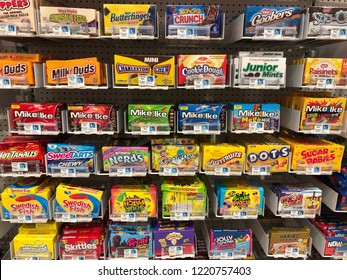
<point>141,70</point>
<point>211,67</point>
<point>195,17</point>
<point>231,242</point>
<point>139,16</point>
<point>59,71</point>
<point>254,117</point>
<point>151,118</point>
<point>92,118</point>
<point>201,118</point>
<point>37,118</point>
<point>259,17</point>
<point>174,239</point>
<point>20,13</point>
<point>81,21</point>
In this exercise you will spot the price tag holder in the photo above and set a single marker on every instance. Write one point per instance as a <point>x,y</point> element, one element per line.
<point>168,171</point>
<point>182,216</point>
<point>8,29</point>
<point>256,126</point>
<point>68,172</point>
<point>257,83</point>
<point>185,33</point>
<point>325,82</point>
<point>148,130</point>
<point>291,252</point>
<point>338,33</point>
<point>128,217</point>
<point>297,214</point>
<point>19,166</point>
<point>128,33</point>
<point>260,170</point>
<point>69,218</point>
<point>32,129</point>
<point>315,170</point>
<point>5,83</point>
<point>222,171</point>
<point>130,253</point>
<point>176,250</point>
<point>89,127</point>
<point>201,129</point>
<point>75,81</point>
<point>25,219</point>
<point>62,30</point>
<point>321,128</point>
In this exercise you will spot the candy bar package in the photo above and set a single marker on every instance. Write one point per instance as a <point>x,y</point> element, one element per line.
<point>203,20</point>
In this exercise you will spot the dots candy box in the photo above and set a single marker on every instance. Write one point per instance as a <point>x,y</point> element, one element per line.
<point>137,69</point>
<point>20,13</point>
<point>129,241</point>
<point>174,239</point>
<point>134,196</point>
<point>233,242</point>
<point>252,116</point>
<point>181,158</point>
<point>92,118</point>
<point>259,17</point>
<point>198,16</point>
<point>44,117</point>
<point>28,197</point>
<point>183,194</point>
<point>81,21</point>
<point>322,20</point>
<point>192,67</point>
<point>142,17</point>
<point>78,200</point>
<point>160,117</point>
<point>238,195</point>
<point>297,197</point>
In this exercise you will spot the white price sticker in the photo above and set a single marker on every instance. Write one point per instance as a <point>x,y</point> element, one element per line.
<point>315,170</point>
<point>32,129</point>
<point>128,217</point>
<point>146,81</point>
<point>321,128</point>
<point>125,172</point>
<point>222,171</point>
<point>344,256</point>
<point>25,219</point>
<point>130,253</point>
<point>291,252</point>
<point>127,32</point>
<point>8,29</point>
<point>256,126</point>
<point>176,250</point>
<point>68,172</point>
<point>61,30</point>
<point>185,33</point>
<point>259,170</point>
<point>78,258</point>
<point>69,218</point>
<point>297,214</point>
<point>89,127</point>
<point>19,166</point>
<point>240,215</point>
<point>338,33</point>
<point>168,171</point>
<point>32,258</point>
<point>202,83</point>
<point>182,216</point>
<point>75,81</point>
<point>273,33</point>
<point>5,83</point>
<point>201,128</point>
<point>325,82</point>
<point>257,83</point>
<point>148,129</point>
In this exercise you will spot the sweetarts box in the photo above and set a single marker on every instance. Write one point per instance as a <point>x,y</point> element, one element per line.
<point>208,117</point>
<point>190,16</point>
<point>259,17</point>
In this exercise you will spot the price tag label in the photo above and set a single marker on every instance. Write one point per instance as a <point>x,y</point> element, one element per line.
<point>148,129</point>
<point>8,29</point>
<point>130,253</point>
<point>338,33</point>
<point>222,171</point>
<point>125,172</point>
<point>89,127</point>
<point>75,81</point>
<point>185,33</point>
<point>291,252</point>
<point>69,218</point>
<point>321,128</point>
<point>297,214</point>
<point>68,172</point>
<point>176,250</point>
<point>240,215</point>
<point>325,82</point>
<point>128,33</point>
<point>226,255</point>
<point>146,81</point>
<point>344,256</point>
<point>259,170</point>
<point>61,30</point>
<point>256,126</point>
<point>32,258</point>
<point>128,217</point>
<point>5,83</point>
<point>19,166</point>
<point>202,83</point>
<point>168,171</point>
<point>25,219</point>
<point>273,33</point>
<point>257,83</point>
<point>201,128</point>
<point>315,170</point>
<point>32,129</point>
<point>182,216</point>
<point>78,258</point>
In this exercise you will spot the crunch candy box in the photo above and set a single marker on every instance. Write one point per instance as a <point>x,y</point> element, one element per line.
<point>190,16</point>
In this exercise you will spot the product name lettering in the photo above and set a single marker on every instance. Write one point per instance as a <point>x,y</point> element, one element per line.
<point>130,16</point>
<point>225,159</point>
<point>323,109</point>
<point>66,18</point>
<point>77,206</point>
<point>134,204</point>
<point>33,249</point>
<point>323,19</point>
<point>202,69</point>
<point>264,155</point>
<point>35,115</point>
<point>14,4</point>
<point>291,200</point>
<point>62,73</point>
<point>142,242</point>
<point>317,156</point>
<point>225,240</point>
<point>11,70</point>
<point>326,72</point>
<point>81,115</point>
<point>16,154</point>
<point>192,16</point>
<point>255,116</point>
<point>69,155</point>
<point>144,113</point>
<point>25,209</point>
<point>262,18</point>
<point>268,70</point>
<point>193,115</point>
<point>162,69</point>
<point>80,247</point>
<point>123,68</point>
<point>130,158</point>
<point>241,200</point>
<point>177,159</point>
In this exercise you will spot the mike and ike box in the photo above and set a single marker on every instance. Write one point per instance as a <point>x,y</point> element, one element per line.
<point>130,70</point>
